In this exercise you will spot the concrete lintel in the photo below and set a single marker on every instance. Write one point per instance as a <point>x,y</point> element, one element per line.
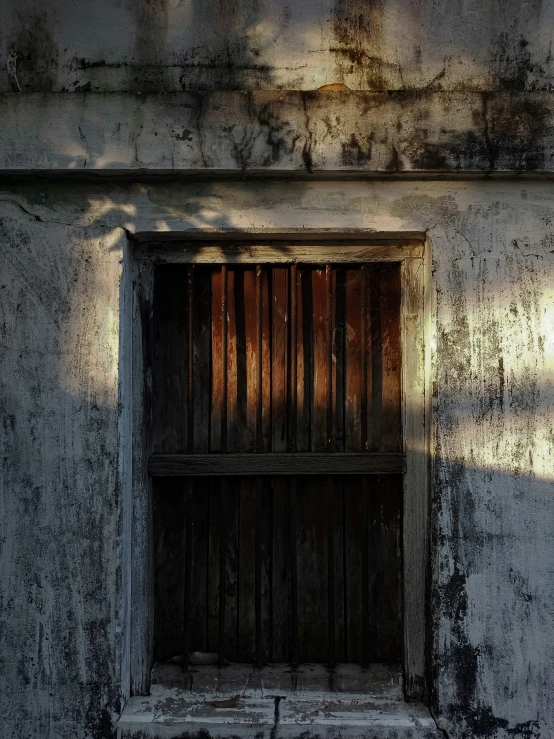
<point>339,133</point>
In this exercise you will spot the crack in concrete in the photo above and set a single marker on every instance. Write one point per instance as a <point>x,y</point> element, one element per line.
<point>439,728</point>
<point>307,148</point>
<point>276,717</point>
<point>199,116</point>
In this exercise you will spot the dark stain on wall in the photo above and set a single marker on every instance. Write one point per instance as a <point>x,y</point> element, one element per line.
<point>232,61</point>
<point>358,30</point>
<point>356,154</point>
<point>150,71</point>
<point>282,134</point>
<point>511,62</point>
<point>35,52</point>
<point>517,126</point>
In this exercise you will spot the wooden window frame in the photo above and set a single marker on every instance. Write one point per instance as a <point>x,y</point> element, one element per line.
<point>232,248</point>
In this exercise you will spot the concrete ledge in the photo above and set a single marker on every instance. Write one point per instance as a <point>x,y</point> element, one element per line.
<point>171,713</point>
<point>281,132</point>
<point>276,702</point>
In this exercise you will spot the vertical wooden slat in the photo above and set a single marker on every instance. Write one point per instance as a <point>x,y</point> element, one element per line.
<point>385,573</point>
<point>266,279</point>
<point>319,368</point>
<point>187,573</point>
<point>354,554</point>
<point>232,546</point>
<point>169,523</point>
<point>294,355</point>
<point>354,363</point>
<point>248,487</point>
<point>365,492</point>
<point>246,376</point>
<point>202,359</point>
<point>279,360</point>
<point>215,493</point>
<point>366,645</point>
<point>376,420</point>
<point>338,505</point>
<point>236,432</point>
<point>190,449</point>
<point>214,562</point>
<point>330,485</point>
<point>364,355</point>
<point>247,569</point>
<point>250,360</point>
<point>329,441</point>
<point>292,538</point>
<point>259,360</point>
<point>259,448</point>
<point>339,366</point>
<point>312,553</point>
<point>190,359</point>
<point>224,354</point>
<point>280,570</point>
<point>312,508</point>
<point>267,605</point>
<point>216,364</point>
<point>200,573</point>
<point>304,346</point>
<point>234,366</point>
<point>280,585</point>
<point>170,362</point>
<point>223,489</point>
<point>389,291</point>
<point>355,326</point>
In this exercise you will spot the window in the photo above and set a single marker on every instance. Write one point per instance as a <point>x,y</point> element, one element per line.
<point>280,432</point>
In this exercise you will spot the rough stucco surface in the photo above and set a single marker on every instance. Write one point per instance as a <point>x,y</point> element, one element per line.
<point>59,307</point>
<point>230,86</point>
<point>271,131</point>
<point>145,45</point>
<point>492,512</point>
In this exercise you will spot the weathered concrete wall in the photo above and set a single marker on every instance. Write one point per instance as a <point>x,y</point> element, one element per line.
<point>438,87</point>
<point>63,636</point>
<point>141,45</point>
<point>321,132</point>
<point>61,587</point>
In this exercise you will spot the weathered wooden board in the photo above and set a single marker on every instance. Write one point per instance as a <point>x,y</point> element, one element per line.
<point>301,463</point>
<point>277,252</point>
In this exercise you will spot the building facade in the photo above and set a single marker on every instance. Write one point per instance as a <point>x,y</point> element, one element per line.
<point>131,131</point>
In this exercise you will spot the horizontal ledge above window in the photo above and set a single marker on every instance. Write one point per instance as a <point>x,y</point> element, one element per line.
<point>283,252</point>
<point>204,465</point>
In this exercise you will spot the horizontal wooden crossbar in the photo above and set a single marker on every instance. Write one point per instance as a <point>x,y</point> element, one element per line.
<point>203,465</point>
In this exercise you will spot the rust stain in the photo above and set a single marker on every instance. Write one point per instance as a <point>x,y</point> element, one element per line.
<point>332,87</point>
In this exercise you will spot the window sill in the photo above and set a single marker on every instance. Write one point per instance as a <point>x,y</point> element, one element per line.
<point>276,702</point>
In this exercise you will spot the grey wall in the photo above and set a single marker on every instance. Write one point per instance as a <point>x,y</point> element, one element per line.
<point>440,88</point>
<point>64,544</point>
<point>152,45</point>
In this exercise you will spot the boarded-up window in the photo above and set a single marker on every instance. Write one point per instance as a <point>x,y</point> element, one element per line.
<point>277,467</point>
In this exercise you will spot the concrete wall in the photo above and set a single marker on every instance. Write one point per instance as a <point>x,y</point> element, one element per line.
<point>439,89</point>
<point>65,545</point>
<point>151,45</point>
